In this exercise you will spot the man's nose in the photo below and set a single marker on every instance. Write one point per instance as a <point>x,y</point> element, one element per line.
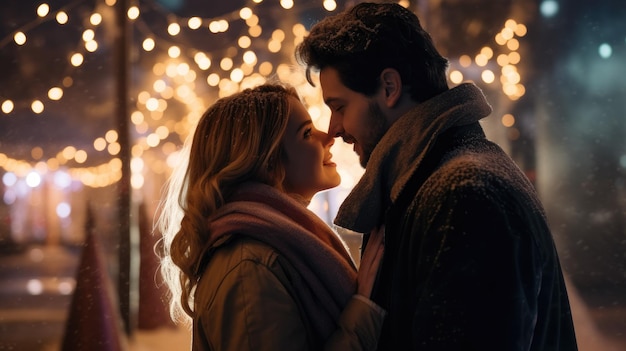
<point>329,140</point>
<point>335,128</point>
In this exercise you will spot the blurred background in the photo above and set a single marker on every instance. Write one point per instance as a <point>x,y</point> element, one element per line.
<point>97,97</point>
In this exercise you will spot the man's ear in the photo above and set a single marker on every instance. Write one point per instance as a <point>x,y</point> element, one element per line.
<point>391,83</point>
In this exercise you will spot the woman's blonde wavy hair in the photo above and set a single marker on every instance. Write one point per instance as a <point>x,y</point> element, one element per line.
<point>236,140</point>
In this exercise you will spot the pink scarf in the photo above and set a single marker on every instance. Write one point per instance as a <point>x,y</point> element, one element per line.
<point>268,215</point>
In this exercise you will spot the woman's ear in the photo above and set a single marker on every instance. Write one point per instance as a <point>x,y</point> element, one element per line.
<point>392,86</point>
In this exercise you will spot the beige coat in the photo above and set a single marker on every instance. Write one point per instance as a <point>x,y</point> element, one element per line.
<point>246,300</point>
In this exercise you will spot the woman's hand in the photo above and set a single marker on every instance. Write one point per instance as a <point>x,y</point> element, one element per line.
<point>370,261</point>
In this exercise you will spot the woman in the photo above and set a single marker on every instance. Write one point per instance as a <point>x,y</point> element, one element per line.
<point>246,261</point>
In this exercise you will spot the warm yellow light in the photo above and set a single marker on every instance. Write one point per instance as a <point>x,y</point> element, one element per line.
<point>88,35</point>
<point>514,57</point>
<point>520,30</point>
<point>508,69</point>
<point>137,117</point>
<point>245,13</point>
<point>286,4</point>
<point>266,68</point>
<point>95,19</point>
<point>42,10</point>
<point>465,61</point>
<point>244,42</point>
<point>99,144</point>
<point>91,46</point>
<point>218,26</point>
<point>111,136</point>
<point>159,85</point>
<point>55,93</point>
<point>507,33</point>
<point>213,79</point>
<point>226,63</point>
<point>136,165</point>
<point>171,70</point>
<point>194,23</point>
<point>278,35</point>
<point>37,106</point>
<point>133,13</point>
<point>152,104</point>
<point>252,21</point>
<point>19,38</point>
<point>7,106</point>
<point>143,96</point>
<point>500,39</point>
<point>76,59</point>
<point>503,60</point>
<point>508,120</point>
<point>114,149</point>
<point>173,29</point>
<point>62,17</point>
<point>487,52</point>
<point>136,150</point>
<point>236,75</point>
<point>456,77</point>
<point>274,46</point>
<point>80,156</point>
<point>330,5</point>
<point>509,89</point>
<point>299,30</point>
<point>249,57</point>
<point>481,60</point>
<point>162,132</point>
<point>173,51</point>
<point>68,152</point>
<point>510,23</point>
<point>202,60</point>
<point>255,31</point>
<point>153,140</point>
<point>182,69</point>
<point>488,76</point>
<point>148,44</point>
<point>513,44</point>
<point>136,181</point>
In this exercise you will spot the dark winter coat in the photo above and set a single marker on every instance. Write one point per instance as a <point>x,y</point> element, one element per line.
<point>470,262</point>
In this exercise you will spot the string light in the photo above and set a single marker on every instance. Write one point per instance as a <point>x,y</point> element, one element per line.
<point>176,79</point>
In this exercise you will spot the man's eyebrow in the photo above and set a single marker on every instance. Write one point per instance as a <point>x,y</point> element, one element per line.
<point>330,100</point>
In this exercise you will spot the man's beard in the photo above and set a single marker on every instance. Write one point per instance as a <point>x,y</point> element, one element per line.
<point>378,123</point>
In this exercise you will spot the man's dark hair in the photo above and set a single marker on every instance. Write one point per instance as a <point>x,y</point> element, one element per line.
<point>362,41</point>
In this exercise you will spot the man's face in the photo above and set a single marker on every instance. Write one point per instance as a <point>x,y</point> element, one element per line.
<point>356,118</point>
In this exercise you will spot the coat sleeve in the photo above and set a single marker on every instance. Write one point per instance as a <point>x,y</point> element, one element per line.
<point>359,326</point>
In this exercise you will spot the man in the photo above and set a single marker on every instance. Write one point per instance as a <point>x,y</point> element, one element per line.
<point>470,263</point>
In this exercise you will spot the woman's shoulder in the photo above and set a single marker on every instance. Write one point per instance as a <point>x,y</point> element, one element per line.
<point>233,250</point>
<point>239,261</point>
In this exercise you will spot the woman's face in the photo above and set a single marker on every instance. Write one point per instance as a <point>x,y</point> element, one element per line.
<point>308,167</point>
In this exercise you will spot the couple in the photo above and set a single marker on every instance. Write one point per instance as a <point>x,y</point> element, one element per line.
<point>468,263</point>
